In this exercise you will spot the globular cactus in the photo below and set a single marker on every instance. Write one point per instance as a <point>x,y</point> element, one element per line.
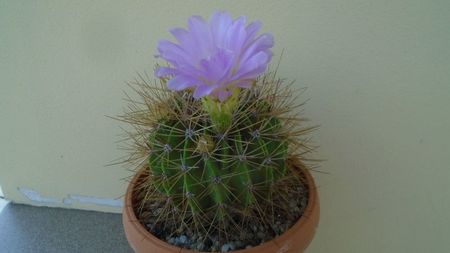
<point>210,168</point>
<point>213,172</point>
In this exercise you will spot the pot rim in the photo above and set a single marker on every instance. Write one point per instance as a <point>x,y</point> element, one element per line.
<point>276,241</point>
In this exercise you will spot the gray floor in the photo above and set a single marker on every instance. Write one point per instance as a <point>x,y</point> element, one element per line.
<point>26,229</point>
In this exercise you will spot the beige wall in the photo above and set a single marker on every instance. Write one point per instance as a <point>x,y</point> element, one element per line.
<point>378,78</point>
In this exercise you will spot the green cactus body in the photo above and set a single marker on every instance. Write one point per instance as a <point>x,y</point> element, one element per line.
<point>209,169</point>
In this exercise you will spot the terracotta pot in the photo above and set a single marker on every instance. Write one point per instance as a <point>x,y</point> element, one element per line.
<point>295,240</point>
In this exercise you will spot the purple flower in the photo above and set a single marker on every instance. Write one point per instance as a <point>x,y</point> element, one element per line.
<point>213,58</point>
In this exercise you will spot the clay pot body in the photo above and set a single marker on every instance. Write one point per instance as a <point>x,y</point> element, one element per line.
<point>295,240</point>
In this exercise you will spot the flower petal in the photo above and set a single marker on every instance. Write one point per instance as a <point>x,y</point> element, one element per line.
<point>236,35</point>
<point>201,37</point>
<point>203,90</point>
<point>261,43</point>
<point>219,66</point>
<point>220,21</point>
<point>180,83</point>
<point>251,30</point>
<point>172,52</point>
<point>183,37</point>
<point>253,66</point>
<point>165,71</point>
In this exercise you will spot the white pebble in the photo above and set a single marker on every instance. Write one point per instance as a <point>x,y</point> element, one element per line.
<point>227,247</point>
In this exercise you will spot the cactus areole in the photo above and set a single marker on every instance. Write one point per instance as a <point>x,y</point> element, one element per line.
<point>218,134</point>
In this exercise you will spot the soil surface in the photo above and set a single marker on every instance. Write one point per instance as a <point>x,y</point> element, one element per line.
<point>287,210</point>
